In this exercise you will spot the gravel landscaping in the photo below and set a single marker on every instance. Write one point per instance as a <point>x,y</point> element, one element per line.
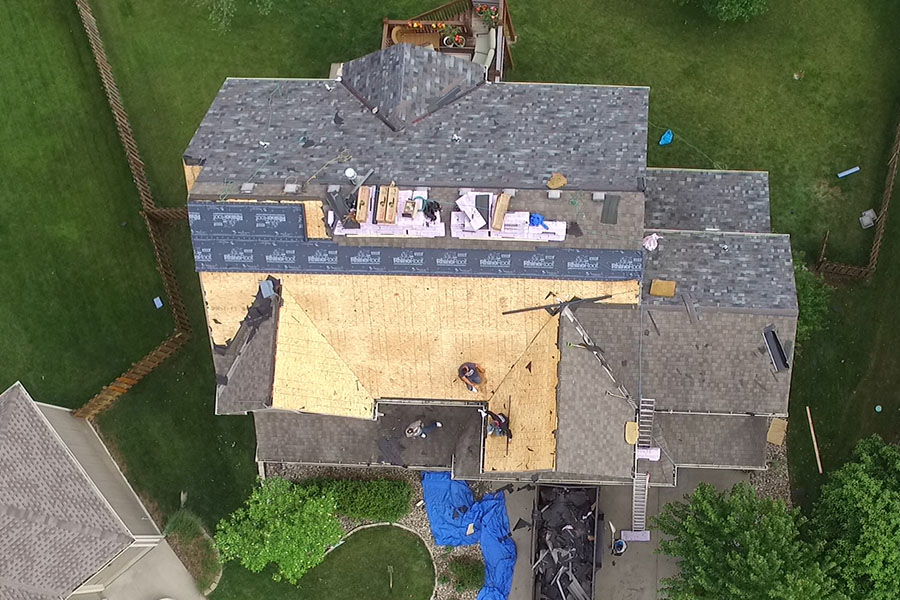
<point>416,520</point>
<point>775,481</point>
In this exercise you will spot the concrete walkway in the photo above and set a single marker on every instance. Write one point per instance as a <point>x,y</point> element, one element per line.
<point>635,575</point>
<point>158,574</point>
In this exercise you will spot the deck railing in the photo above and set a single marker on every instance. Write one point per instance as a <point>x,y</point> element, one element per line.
<point>446,12</point>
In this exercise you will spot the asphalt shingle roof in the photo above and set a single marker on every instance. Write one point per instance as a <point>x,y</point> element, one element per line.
<point>406,82</point>
<point>718,363</point>
<point>749,271</point>
<point>284,436</point>
<point>510,135</point>
<point>726,441</point>
<point>591,423</point>
<point>57,530</point>
<point>698,200</point>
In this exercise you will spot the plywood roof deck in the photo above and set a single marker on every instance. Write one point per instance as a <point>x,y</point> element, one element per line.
<point>344,341</point>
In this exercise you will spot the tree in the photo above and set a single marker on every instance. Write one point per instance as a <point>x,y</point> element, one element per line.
<point>729,10</point>
<point>858,513</point>
<point>739,546</point>
<point>281,523</point>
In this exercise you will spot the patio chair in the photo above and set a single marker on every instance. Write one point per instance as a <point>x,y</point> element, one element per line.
<point>485,47</point>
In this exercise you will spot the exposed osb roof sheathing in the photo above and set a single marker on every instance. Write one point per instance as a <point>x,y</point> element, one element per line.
<point>404,337</point>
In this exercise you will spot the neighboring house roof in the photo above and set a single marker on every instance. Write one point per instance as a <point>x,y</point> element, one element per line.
<point>406,83</point>
<point>510,135</point>
<point>690,199</point>
<point>748,271</point>
<point>57,529</point>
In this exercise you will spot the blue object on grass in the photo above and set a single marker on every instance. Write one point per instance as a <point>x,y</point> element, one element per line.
<point>452,509</point>
<point>667,138</point>
<point>536,219</point>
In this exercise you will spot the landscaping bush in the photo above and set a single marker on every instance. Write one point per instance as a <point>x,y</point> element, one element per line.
<point>813,297</point>
<point>375,500</point>
<point>468,573</point>
<point>282,523</point>
<point>187,536</point>
<point>729,10</point>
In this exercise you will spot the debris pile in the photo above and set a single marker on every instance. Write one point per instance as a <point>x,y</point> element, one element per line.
<point>566,524</point>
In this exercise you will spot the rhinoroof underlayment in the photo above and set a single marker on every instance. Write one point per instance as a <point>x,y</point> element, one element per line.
<point>383,336</point>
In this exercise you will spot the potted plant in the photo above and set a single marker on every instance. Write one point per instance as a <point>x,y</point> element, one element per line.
<point>490,15</point>
<point>452,35</point>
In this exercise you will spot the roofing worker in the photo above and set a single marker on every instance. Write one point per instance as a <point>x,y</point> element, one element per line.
<point>419,429</point>
<point>497,424</point>
<point>472,375</point>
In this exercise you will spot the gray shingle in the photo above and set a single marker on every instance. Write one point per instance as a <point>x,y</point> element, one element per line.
<point>511,135</point>
<point>406,82</point>
<point>716,364</point>
<point>591,423</point>
<point>729,270</point>
<point>712,440</point>
<point>57,530</point>
<point>696,200</point>
<point>284,436</point>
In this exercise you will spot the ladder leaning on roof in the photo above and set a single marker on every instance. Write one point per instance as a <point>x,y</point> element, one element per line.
<point>645,422</point>
<point>640,489</point>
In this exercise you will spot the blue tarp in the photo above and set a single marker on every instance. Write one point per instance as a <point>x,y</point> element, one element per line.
<point>452,509</point>
<point>667,138</point>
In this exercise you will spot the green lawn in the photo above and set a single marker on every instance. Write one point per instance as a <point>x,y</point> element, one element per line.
<point>77,274</point>
<point>77,308</point>
<point>356,570</point>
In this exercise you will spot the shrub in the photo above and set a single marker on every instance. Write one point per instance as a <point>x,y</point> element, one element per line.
<point>187,536</point>
<point>813,297</point>
<point>376,500</point>
<point>729,10</point>
<point>282,523</point>
<point>468,573</point>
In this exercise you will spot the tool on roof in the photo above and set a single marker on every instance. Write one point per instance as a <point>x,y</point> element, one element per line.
<point>559,305</point>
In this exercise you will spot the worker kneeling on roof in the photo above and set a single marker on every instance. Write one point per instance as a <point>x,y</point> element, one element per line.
<point>496,424</point>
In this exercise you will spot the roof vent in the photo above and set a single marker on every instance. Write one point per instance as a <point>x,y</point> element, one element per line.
<point>247,188</point>
<point>291,188</point>
<point>776,350</point>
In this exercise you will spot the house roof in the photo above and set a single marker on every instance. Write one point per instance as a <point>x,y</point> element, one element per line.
<point>57,529</point>
<point>320,439</point>
<point>724,441</point>
<point>688,199</point>
<point>736,270</point>
<point>510,135</point>
<point>406,82</point>
<point>592,413</point>
<point>718,363</point>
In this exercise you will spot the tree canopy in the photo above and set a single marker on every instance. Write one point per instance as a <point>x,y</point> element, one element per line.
<point>858,513</point>
<point>284,524</point>
<point>739,546</point>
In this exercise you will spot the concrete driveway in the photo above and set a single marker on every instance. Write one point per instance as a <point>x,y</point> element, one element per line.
<point>158,574</point>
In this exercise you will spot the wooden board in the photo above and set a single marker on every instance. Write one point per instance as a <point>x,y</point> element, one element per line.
<point>777,431</point>
<point>662,288</point>
<point>310,376</point>
<point>191,172</point>
<point>362,203</point>
<point>381,206</point>
<point>527,395</point>
<point>390,211</point>
<point>500,209</point>
<point>315,220</point>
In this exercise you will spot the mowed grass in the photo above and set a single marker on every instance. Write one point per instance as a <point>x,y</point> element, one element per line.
<point>77,276</point>
<point>358,569</point>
